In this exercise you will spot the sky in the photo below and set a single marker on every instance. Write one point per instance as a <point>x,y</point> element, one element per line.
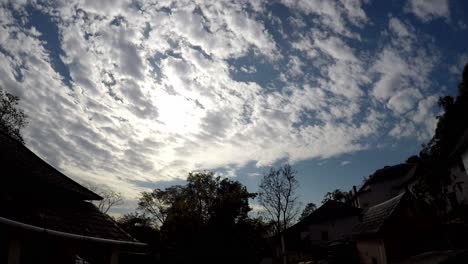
<point>133,95</point>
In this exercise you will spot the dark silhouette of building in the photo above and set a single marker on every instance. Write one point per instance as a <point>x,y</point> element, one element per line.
<point>46,217</point>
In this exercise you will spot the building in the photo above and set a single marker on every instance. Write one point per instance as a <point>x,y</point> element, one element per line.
<point>46,217</point>
<point>309,238</point>
<point>458,160</point>
<point>394,230</point>
<point>385,184</point>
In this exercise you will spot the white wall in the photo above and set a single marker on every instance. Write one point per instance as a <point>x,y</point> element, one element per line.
<point>460,179</point>
<point>464,158</point>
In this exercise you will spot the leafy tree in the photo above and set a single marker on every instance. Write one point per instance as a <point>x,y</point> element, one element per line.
<point>435,155</point>
<point>156,203</point>
<point>278,196</point>
<point>338,195</point>
<point>143,229</point>
<point>308,209</point>
<point>140,227</point>
<point>205,220</point>
<point>12,119</point>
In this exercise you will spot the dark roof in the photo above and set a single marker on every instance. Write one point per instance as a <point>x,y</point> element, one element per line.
<point>25,173</point>
<point>373,218</point>
<point>74,217</point>
<point>331,210</point>
<point>390,173</point>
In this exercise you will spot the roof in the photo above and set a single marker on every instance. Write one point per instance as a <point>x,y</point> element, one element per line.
<point>373,218</point>
<point>73,217</point>
<point>331,210</point>
<point>29,174</point>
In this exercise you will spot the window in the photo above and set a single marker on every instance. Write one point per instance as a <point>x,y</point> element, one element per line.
<point>325,235</point>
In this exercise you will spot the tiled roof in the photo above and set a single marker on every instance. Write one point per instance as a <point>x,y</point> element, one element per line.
<point>74,217</point>
<point>373,218</point>
<point>330,210</point>
<point>24,172</point>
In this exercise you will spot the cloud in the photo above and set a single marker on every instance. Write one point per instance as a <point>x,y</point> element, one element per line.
<point>427,10</point>
<point>153,94</point>
<point>345,162</point>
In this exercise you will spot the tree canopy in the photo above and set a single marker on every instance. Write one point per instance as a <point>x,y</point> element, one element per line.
<point>12,118</point>
<point>308,209</point>
<point>436,154</point>
<point>338,195</point>
<point>205,220</point>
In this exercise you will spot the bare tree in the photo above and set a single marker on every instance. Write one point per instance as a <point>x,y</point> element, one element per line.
<point>278,196</point>
<point>110,198</point>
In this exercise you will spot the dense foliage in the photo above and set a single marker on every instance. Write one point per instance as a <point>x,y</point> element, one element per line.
<point>204,221</point>
<point>12,119</point>
<point>437,155</point>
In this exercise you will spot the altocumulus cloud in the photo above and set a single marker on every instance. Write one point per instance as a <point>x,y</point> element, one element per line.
<point>153,90</point>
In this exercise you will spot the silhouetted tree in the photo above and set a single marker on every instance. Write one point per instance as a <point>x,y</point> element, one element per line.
<point>110,198</point>
<point>205,221</point>
<point>338,195</point>
<point>156,203</point>
<point>434,157</point>
<point>12,119</point>
<point>277,194</point>
<point>143,229</point>
<point>308,209</point>
<point>140,227</point>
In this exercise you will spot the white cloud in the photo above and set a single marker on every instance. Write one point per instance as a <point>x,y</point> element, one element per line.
<point>154,96</point>
<point>345,162</point>
<point>427,10</point>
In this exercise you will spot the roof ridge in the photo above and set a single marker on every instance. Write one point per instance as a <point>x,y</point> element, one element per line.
<point>34,157</point>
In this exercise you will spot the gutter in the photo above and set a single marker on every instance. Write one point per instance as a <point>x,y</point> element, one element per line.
<point>69,235</point>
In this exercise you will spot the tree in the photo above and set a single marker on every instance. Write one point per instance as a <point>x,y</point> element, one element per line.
<point>308,209</point>
<point>155,203</point>
<point>205,220</point>
<point>435,155</point>
<point>140,227</point>
<point>110,198</point>
<point>338,195</point>
<point>12,119</point>
<point>277,194</point>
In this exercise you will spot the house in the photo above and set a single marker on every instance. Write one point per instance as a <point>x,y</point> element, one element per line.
<point>308,239</point>
<point>458,160</point>
<point>385,184</point>
<point>394,230</point>
<point>46,217</point>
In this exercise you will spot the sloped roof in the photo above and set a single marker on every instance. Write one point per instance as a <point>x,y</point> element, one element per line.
<point>331,210</point>
<point>73,217</point>
<point>373,218</point>
<point>24,172</point>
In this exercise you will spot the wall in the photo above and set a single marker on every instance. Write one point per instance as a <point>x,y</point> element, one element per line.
<point>459,183</point>
<point>337,229</point>
<point>379,192</point>
<point>370,249</point>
